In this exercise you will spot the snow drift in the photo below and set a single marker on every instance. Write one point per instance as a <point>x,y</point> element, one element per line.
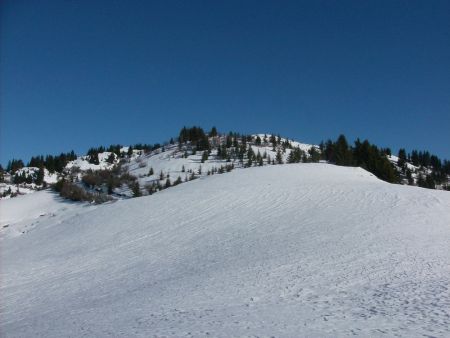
<point>290,250</point>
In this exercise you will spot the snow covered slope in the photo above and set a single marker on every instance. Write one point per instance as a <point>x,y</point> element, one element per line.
<point>290,250</point>
<point>22,214</point>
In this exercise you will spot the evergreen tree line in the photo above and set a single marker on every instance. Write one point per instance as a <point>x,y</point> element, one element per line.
<point>374,160</point>
<point>52,163</point>
<point>440,170</point>
<point>29,178</point>
<point>196,136</point>
<point>422,159</point>
<point>362,154</point>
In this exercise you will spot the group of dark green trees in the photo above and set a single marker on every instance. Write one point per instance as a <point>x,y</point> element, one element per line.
<point>437,170</point>
<point>52,163</point>
<point>431,170</point>
<point>361,154</point>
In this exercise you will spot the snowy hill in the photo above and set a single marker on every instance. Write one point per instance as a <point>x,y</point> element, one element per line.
<point>172,162</point>
<point>324,251</point>
<point>119,172</point>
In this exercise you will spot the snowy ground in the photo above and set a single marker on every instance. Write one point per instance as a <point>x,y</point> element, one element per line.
<point>284,251</point>
<point>22,214</point>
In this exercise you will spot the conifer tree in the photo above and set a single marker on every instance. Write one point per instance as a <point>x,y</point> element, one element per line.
<point>260,161</point>
<point>235,142</point>
<point>111,158</point>
<point>167,184</point>
<point>213,132</point>
<point>204,156</point>
<point>401,158</point>
<point>279,157</point>
<point>314,154</point>
<point>259,158</point>
<point>343,154</point>
<point>409,177</point>
<point>177,181</point>
<point>28,178</point>
<point>130,151</point>
<point>136,190</point>
<point>93,158</point>
<point>40,175</point>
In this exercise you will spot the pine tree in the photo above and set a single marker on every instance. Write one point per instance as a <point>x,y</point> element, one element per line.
<point>235,142</point>
<point>150,171</point>
<point>401,158</point>
<point>343,154</point>
<point>409,177</point>
<point>136,189</point>
<point>40,175</point>
<point>294,156</point>
<point>111,158</point>
<point>421,182</point>
<point>415,158</point>
<point>279,157</point>
<point>213,132</point>
<point>429,182</point>
<point>93,159</point>
<point>259,159</point>
<point>204,156</point>
<point>167,184</point>
<point>177,181</point>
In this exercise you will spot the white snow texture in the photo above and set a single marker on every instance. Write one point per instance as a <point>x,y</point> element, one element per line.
<point>298,250</point>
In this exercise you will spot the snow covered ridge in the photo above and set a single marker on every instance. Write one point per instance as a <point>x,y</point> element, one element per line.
<point>327,251</point>
<point>151,169</point>
<point>121,172</point>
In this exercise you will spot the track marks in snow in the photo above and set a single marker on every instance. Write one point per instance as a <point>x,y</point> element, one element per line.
<point>309,248</point>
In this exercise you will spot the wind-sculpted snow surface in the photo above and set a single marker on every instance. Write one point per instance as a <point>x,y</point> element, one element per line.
<point>284,251</point>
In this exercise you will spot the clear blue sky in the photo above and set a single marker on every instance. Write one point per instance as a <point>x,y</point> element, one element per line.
<point>76,74</point>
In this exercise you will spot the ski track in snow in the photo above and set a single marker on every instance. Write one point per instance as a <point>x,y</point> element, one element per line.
<point>284,251</point>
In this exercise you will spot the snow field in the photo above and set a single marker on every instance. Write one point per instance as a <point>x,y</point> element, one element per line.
<point>286,251</point>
